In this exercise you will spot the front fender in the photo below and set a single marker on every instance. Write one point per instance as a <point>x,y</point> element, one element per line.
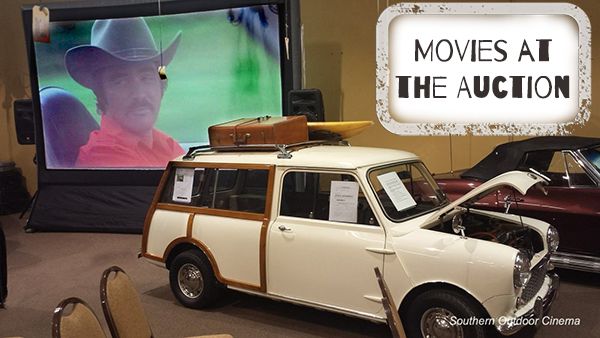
<point>482,269</point>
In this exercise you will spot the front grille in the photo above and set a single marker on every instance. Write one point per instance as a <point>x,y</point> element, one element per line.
<point>538,274</point>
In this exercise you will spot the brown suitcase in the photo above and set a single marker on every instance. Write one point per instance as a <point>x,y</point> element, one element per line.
<point>262,130</point>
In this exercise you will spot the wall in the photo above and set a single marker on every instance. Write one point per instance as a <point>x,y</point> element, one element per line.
<point>339,40</point>
<point>14,84</point>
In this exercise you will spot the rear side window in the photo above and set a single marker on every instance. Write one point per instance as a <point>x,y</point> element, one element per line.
<point>576,174</point>
<point>325,196</point>
<point>562,169</point>
<point>217,188</point>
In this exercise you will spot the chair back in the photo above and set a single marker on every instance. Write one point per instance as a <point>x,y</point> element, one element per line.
<point>73,318</point>
<point>391,310</point>
<point>122,306</point>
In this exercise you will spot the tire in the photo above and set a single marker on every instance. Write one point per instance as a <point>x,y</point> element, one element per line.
<point>193,281</point>
<point>443,306</point>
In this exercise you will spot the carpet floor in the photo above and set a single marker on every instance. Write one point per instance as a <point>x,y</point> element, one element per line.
<point>44,268</point>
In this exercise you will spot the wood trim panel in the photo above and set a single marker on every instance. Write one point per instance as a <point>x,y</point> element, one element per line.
<point>269,197</point>
<point>152,208</point>
<point>213,262</point>
<point>190,226</point>
<point>213,212</point>
<point>263,255</point>
<point>177,207</point>
<point>152,257</point>
<point>264,230</point>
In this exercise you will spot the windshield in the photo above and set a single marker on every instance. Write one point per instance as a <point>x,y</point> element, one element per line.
<point>593,156</point>
<point>406,190</point>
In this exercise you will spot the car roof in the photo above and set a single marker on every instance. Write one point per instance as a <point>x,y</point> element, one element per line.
<point>322,156</point>
<point>507,156</point>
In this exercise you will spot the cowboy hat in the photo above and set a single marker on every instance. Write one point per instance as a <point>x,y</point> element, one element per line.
<point>116,42</point>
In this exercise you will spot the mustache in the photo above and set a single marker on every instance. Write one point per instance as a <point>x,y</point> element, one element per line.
<point>137,104</point>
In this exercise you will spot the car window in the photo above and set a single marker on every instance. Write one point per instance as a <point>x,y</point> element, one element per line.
<point>561,167</point>
<point>548,162</point>
<point>406,190</point>
<point>227,179</point>
<point>326,196</point>
<point>225,189</point>
<point>542,161</point>
<point>577,175</point>
<point>593,156</point>
<point>557,165</point>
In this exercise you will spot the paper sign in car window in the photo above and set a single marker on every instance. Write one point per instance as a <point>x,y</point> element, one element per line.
<point>184,181</point>
<point>343,201</point>
<point>396,191</point>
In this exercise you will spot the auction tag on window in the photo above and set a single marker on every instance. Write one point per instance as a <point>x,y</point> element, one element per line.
<point>182,187</point>
<point>343,201</point>
<point>40,24</point>
<point>396,190</point>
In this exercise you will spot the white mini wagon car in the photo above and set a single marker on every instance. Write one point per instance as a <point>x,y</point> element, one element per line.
<point>309,224</point>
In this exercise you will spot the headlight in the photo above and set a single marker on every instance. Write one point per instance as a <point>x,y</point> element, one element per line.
<point>521,270</point>
<point>552,239</point>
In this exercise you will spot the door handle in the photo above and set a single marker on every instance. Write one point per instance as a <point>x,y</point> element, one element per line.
<point>284,228</point>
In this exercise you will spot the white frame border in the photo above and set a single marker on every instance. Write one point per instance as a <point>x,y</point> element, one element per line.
<point>382,70</point>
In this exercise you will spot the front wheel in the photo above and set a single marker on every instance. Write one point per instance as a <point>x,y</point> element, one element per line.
<point>441,314</point>
<point>193,281</point>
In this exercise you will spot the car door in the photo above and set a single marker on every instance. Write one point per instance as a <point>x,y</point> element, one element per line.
<point>325,242</point>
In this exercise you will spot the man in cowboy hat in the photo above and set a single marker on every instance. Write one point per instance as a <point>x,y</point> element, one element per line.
<point>120,66</point>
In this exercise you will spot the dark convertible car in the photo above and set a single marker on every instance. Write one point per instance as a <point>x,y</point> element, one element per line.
<point>570,202</point>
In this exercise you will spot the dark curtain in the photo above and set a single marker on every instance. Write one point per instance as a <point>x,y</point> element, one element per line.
<point>91,208</point>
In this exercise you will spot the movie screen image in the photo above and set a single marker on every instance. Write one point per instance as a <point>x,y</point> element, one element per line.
<point>134,93</point>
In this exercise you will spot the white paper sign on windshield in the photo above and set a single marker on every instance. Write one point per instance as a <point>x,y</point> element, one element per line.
<point>184,181</point>
<point>396,190</point>
<point>343,201</point>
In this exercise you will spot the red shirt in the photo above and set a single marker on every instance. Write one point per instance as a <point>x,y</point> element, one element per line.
<point>114,147</point>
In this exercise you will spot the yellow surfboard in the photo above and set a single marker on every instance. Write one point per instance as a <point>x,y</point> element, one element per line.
<point>344,129</point>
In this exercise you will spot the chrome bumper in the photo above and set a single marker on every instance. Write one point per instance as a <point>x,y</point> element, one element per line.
<point>510,325</point>
<point>576,262</point>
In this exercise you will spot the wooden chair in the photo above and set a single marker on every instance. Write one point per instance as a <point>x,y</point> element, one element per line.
<point>123,309</point>
<point>391,311</point>
<point>73,318</point>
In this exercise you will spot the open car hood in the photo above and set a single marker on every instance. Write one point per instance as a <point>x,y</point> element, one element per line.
<point>519,180</point>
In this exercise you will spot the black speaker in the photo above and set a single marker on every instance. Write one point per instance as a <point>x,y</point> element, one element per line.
<point>307,102</point>
<point>3,270</point>
<point>24,121</point>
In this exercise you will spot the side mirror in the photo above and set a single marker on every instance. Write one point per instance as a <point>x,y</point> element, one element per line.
<point>457,225</point>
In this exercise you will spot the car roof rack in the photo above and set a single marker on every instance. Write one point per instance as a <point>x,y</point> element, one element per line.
<point>285,150</point>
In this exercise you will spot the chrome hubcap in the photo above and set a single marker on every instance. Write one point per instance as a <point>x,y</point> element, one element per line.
<point>437,323</point>
<point>190,280</point>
